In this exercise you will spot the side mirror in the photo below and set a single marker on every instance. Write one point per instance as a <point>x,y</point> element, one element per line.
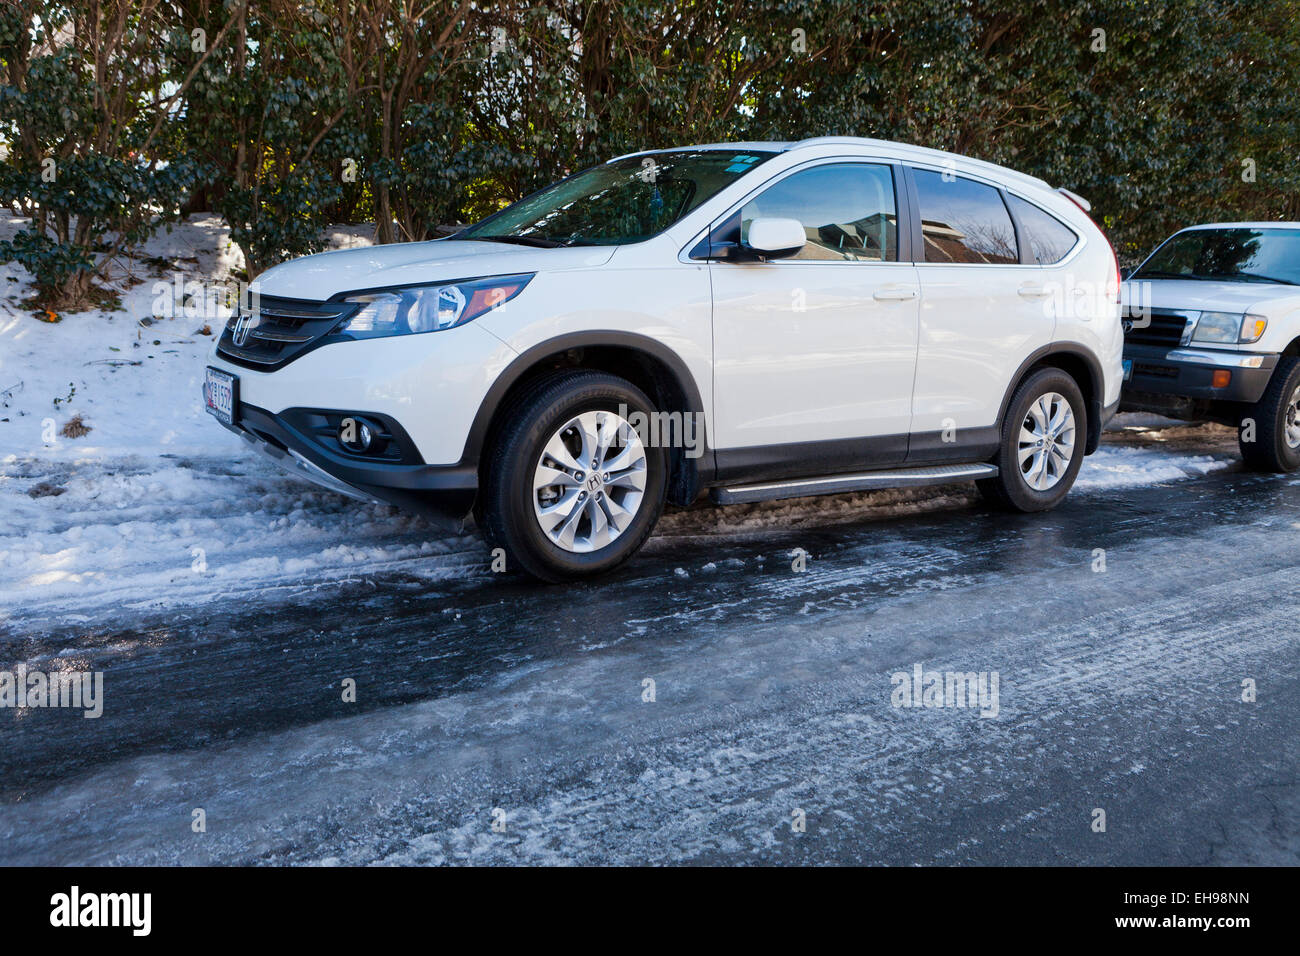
<point>776,238</point>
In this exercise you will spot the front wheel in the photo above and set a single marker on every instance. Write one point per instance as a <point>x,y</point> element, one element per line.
<point>572,490</point>
<point>1043,438</point>
<point>1270,432</point>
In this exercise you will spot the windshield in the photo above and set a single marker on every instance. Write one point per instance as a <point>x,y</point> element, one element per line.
<point>627,200</point>
<point>1236,255</point>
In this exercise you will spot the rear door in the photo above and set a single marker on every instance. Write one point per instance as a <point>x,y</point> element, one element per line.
<point>983,312</point>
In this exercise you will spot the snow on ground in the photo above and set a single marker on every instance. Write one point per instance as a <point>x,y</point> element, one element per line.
<point>157,504</point>
<point>135,385</point>
<point>1120,687</point>
<point>1139,449</point>
<point>146,534</point>
<point>135,378</point>
<point>1116,466</point>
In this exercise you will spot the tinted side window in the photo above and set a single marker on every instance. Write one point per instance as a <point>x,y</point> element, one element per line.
<point>963,221</point>
<point>847,211</point>
<point>1050,240</point>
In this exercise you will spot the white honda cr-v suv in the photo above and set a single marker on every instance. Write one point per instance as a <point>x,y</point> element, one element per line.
<point>756,320</point>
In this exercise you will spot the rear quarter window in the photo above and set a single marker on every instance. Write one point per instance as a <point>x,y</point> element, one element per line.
<point>1049,239</point>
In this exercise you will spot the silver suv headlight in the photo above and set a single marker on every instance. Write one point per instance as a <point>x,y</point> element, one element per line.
<point>428,308</point>
<point>1229,328</point>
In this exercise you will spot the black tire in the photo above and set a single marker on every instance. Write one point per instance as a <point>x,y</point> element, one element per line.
<point>1270,450</point>
<point>509,519</point>
<point>1010,490</point>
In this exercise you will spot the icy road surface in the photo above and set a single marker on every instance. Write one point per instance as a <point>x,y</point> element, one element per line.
<point>484,699</point>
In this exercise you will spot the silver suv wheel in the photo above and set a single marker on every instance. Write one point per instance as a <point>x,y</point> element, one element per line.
<point>1292,421</point>
<point>1047,439</point>
<point>589,482</point>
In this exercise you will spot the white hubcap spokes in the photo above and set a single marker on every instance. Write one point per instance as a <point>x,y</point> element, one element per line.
<point>1293,420</point>
<point>589,481</point>
<point>1046,445</point>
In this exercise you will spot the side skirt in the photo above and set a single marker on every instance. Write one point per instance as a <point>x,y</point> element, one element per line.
<point>891,478</point>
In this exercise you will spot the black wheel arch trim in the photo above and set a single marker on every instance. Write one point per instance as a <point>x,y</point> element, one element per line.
<point>1097,387</point>
<point>529,359</point>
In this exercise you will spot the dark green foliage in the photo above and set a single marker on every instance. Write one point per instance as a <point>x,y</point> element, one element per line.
<point>81,113</point>
<point>445,110</point>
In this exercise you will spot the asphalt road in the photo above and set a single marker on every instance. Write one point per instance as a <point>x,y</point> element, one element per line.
<point>492,701</point>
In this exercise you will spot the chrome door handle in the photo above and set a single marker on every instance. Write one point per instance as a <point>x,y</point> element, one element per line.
<point>893,295</point>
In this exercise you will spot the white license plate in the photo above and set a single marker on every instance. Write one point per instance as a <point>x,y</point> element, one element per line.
<point>1128,369</point>
<point>220,395</point>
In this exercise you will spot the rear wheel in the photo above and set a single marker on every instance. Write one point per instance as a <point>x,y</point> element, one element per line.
<point>571,489</point>
<point>1043,437</point>
<point>1274,442</point>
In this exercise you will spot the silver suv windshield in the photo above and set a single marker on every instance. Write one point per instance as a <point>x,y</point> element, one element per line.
<point>1234,255</point>
<point>623,201</point>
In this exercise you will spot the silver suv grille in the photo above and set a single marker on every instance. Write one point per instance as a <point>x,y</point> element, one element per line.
<point>278,330</point>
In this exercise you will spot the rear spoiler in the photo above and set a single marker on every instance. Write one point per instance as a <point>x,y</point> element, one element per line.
<point>1076,199</point>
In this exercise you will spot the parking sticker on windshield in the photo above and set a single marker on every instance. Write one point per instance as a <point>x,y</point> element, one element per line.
<point>741,163</point>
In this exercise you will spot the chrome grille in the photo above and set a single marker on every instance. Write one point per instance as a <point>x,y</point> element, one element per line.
<point>276,330</point>
<point>1166,328</point>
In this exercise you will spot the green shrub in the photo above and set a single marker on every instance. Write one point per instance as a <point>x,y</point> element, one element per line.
<point>91,157</point>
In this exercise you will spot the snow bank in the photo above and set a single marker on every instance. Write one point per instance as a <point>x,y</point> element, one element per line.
<point>1114,466</point>
<point>134,378</point>
<point>158,504</point>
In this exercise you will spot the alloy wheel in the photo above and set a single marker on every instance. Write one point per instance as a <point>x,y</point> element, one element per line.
<point>1047,441</point>
<point>1291,420</point>
<point>589,482</point>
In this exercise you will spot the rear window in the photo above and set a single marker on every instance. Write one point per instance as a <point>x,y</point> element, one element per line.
<point>964,221</point>
<point>1049,239</point>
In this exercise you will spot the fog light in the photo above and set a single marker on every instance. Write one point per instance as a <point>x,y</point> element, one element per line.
<point>1222,378</point>
<point>356,435</point>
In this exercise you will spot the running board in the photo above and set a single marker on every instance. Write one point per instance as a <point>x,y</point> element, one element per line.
<point>863,481</point>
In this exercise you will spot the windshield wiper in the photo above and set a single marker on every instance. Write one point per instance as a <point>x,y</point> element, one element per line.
<point>536,241</point>
<point>1260,278</point>
<point>1158,274</point>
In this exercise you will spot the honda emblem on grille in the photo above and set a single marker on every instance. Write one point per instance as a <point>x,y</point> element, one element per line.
<point>242,326</point>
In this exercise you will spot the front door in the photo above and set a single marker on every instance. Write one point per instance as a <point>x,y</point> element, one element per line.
<point>814,355</point>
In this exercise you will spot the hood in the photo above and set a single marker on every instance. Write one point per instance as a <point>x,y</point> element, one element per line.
<point>326,274</point>
<point>1202,295</point>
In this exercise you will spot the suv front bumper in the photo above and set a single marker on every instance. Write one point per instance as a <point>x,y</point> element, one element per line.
<point>442,493</point>
<point>1183,378</point>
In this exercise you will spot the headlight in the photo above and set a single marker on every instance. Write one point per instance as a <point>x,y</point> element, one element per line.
<point>1229,328</point>
<point>429,308</point>
<point>1218,327</point>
